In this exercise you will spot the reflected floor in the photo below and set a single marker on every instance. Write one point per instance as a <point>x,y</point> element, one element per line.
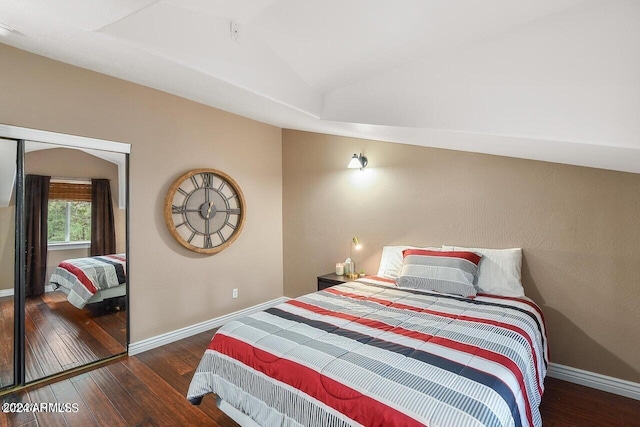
<point>60,337</point>
<point>6,341</point>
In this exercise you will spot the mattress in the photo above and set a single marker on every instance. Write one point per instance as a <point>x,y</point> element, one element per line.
<point>366,353</point>
<point>92,279</point>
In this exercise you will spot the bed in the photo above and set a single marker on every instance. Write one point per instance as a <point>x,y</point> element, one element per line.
<point>370,352</point>
<point>90,280</point>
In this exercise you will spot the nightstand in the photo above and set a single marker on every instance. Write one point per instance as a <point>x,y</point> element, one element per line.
<point>329,280</point>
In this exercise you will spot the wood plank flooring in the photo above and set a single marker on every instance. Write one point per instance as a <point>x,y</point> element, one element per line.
<point>149,390</point>
<point>60,337</point>
<point>6,341</point>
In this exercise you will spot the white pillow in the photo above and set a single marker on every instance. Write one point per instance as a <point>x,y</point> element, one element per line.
<point>499,272</point>
<point>391,260</point>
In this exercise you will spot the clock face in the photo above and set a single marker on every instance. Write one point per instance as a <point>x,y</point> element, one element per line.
<point>204,210</point>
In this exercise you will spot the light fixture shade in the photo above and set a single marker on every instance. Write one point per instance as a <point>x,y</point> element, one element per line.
<point>355,162</point>
<point>358,161</point>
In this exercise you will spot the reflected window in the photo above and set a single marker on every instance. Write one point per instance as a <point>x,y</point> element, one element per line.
<point>69,213</point>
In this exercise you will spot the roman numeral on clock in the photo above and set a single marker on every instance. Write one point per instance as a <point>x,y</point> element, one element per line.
<point>207,180</point>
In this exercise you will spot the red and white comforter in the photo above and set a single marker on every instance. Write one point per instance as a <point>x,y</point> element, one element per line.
<point>81,278</point>
<point>365,353</point>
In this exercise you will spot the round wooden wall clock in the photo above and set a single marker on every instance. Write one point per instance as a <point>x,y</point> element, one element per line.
<point>204,210</point>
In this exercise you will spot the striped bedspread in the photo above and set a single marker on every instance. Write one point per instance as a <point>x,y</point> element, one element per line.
<point>366,353</point>
<point>83,277</point>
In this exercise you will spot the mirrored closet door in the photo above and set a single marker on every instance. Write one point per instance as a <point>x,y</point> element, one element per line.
<point>70,287</point>
<point>8,166</point>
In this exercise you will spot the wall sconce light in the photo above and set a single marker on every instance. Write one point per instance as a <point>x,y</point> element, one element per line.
<point>358,161</point>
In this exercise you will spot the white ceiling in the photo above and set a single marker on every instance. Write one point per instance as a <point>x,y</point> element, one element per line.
<point>555,80</point>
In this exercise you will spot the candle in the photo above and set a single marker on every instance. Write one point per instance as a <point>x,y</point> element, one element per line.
<point>339,268</point>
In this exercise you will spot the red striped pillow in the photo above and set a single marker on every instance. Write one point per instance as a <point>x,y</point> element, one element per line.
<point>446,272</point>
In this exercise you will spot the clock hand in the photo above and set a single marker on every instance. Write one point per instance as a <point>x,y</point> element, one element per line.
<point>209,210</point>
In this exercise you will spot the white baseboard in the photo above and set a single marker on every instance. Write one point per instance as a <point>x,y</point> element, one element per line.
<point>593,380</point>
<point>9,292</point>
<point>188,331</point>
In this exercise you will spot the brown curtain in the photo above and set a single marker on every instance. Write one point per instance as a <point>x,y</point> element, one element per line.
<point>36,215</point>
<point>103,230</point>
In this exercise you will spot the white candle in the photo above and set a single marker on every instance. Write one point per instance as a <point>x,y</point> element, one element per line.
<point>339,268</point>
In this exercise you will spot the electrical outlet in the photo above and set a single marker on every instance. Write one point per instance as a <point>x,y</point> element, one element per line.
<point>234,294</point>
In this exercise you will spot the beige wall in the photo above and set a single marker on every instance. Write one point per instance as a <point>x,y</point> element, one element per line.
<point>7,245</point>
<point>578,228</point>
<point>170,286</point>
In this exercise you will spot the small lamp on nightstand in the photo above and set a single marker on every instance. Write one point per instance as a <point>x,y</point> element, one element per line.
<point>353,244</point>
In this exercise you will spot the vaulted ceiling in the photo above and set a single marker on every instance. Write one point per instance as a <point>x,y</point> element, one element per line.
<point>555,80</point>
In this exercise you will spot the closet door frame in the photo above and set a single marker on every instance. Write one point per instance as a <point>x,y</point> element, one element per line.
<point>21,135</point>
<point>19,275</point>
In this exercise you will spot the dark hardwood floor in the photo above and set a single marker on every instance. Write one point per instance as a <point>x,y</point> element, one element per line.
<point>60,336</point>
<point>567,404</point>
<point>6,341</point>
<point>149,390</point>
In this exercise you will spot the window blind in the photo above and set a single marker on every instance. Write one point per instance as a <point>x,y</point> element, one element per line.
<point>74,192</point>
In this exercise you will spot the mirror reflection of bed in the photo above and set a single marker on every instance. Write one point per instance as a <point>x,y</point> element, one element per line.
<point>75,306</point>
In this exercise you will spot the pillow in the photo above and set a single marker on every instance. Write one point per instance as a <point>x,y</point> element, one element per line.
<point>447,272</point>
<point>499,272</point>
<point>391,260</point>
